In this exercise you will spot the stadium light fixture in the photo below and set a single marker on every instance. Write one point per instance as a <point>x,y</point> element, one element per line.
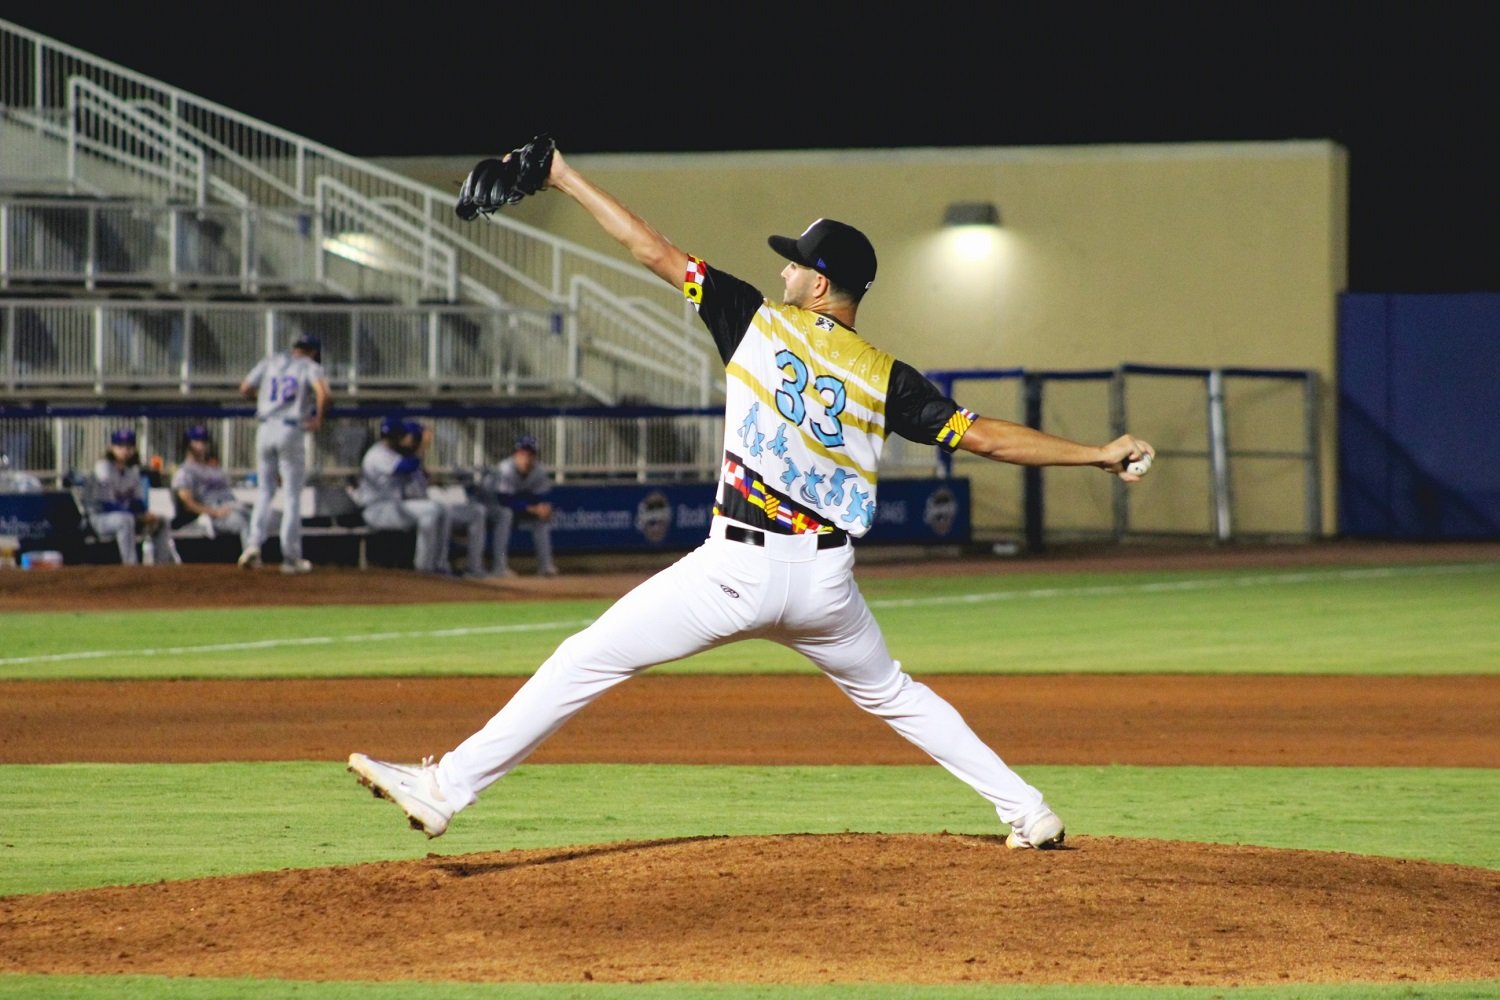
<point>972,213</point>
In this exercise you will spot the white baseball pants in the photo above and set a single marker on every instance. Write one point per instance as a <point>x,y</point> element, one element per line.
<point>504,519</point>
<point>788,591</point>
<point>281,454</point>
<point>428,517</point>
<point>237,522</point>
<point>470,517</point>
<point>121,526</point>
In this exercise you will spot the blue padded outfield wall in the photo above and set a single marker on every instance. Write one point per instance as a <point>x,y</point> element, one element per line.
<point>1419,416</point>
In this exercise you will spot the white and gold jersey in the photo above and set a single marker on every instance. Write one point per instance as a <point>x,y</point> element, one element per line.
<point>808,406</point>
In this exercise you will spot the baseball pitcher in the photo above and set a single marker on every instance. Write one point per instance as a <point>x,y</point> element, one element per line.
<point>808,407</point>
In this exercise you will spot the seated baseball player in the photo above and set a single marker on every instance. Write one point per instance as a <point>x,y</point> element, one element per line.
<point>516,493</point>
<point>463,514</point>
<point>117,507</point>
<point>202,490</point>
<point>392,493</point>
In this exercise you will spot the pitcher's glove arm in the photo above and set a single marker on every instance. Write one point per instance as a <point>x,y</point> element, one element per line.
<point>495,183</point>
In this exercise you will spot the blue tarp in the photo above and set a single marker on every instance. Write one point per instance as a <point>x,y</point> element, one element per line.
<point>1419,416</point>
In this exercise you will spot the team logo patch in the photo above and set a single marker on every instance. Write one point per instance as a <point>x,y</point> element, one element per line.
<point>653,516</point>
<point>823,323</point>
<point>940,511</point>
<point>729,590</point>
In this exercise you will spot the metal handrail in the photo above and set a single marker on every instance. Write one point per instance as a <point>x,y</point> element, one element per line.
<point>81,250</point>
<point>206,141</point>
<point>333,196</point>
<point>96,341</point>
<point>84,96</point>
<point>274,164</point>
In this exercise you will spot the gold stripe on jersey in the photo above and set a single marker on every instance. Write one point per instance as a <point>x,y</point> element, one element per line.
<point>767,396</point>
<point>848,416</point>
<point>864,369</point>
<point>857,388</point>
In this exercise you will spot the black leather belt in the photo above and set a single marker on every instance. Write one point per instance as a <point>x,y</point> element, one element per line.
<point>290,422</point>
<point>754,536</point>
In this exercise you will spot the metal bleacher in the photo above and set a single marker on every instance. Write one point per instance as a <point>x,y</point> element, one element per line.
<point>154,244</point>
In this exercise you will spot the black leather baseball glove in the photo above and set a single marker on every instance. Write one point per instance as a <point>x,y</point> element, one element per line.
<point>495,183</point>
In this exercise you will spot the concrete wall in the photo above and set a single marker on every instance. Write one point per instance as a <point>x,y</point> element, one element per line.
<point>1224,254</point>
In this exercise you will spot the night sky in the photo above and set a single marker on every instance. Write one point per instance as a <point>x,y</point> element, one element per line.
<point>1413,95</point>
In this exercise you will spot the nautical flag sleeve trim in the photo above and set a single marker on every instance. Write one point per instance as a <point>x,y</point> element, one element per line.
<point>957,426</point>
<point>692,281</point>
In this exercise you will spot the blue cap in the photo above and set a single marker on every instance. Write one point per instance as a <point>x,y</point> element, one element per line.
<point>392,426</point>
<point>197,432</point>
<point>309,342</point>
<point>412,427</point>
<point>527,442</point>
<point>123,436</point>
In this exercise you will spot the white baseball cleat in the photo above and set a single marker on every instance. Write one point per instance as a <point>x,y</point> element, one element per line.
<point>294,568</point>
<point>250,558</point>
<point>413,788</point>
<point>1044,832</point>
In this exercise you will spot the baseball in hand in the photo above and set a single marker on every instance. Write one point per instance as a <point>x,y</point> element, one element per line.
<point>1140,466</point>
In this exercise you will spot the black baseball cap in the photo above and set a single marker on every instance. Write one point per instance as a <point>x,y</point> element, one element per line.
<point>835,250</point>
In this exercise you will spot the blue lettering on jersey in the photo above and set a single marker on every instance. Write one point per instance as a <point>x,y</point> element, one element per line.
<point>836,487</point>
<point>860,508</point>
<point>283,387</point>
<point>790,404</point>
<point>789,397</point>
<point>790,475</point>
<point>778,443</point>
<point>750,432</point>
<point>810,487</point>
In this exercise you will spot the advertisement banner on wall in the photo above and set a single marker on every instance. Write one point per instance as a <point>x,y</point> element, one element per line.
<point>643,516</point>
<point>40,520</point>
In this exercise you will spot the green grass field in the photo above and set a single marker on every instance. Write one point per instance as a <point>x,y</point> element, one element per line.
<point>1397,620</point>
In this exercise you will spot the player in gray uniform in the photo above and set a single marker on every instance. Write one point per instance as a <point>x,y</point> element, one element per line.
<point>117,504</point>
<point>516,491</point>
<point>291,397</point>
<point>203,490</point>
<point>809,404</point>
<point>463,514</point>
<point>393,494</point>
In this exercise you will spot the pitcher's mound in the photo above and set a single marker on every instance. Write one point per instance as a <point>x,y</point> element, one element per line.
<point>794,909</point>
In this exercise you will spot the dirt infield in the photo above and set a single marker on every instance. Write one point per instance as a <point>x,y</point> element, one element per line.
<point>793,909</point>
<point>919,909</point>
